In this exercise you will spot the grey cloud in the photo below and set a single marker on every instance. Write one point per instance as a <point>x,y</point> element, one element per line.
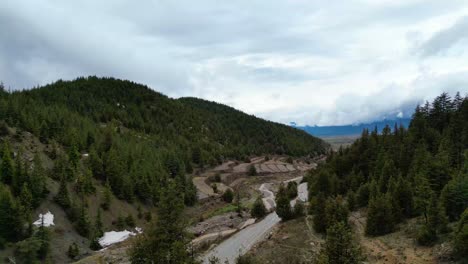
<point>446,39</point>
<point>186,48</point>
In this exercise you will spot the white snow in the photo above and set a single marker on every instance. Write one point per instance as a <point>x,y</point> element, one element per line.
<point>48,219</point>
<point>113,237</point>
<point>303,192</point>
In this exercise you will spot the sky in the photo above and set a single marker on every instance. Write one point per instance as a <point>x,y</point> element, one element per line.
<point>304,61</point>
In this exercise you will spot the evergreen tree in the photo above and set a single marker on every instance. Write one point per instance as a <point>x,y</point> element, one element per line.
<point>63,197</point>
<point>228,196</point>
<point>10,216</point>
<point>461,235</point>
<point>37,182</point>
<point>107,197</point>
<point>380,220</point>
<point>7,168</point>
<point>283,207</point>
<point>320,215</point>
<point>82,224</point>
<point>166,242</point>
<point>340,247</point>
<point>258,209</point>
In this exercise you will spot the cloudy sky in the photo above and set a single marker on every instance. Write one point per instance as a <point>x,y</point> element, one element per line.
<point>312,62</point>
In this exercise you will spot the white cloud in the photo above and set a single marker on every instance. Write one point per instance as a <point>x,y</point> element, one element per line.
<point>312,62</point>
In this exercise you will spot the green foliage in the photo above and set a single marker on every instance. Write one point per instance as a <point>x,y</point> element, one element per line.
<point>63,197</point>
<point>380,218</point>
<point>395,173</point>
<point>320,226</point>
<point>340,248</point>
<point>7,169</point>
<point>258,209</point>
<point>298,209</point>
<point>10,216</point>
<point>461,235</point>
<point>454,196</point>
<point>283,207</point>
<point>292,190</point>
<point>228,196</point>
<point>83,225</point>
<point>107,197</point>
<point>167,238</point>
<point>130,221</point>
<point>252,170</point>
<point>73,251</point>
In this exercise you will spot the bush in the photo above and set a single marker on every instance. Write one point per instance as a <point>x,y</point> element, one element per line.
<point>130,221</point>
<point>461,237</point>
<point>292,189</point>
<point>148,216</point>
<point>426,236</point>
<point>299,209</point>
<point>252,170</point>
<point>228,196</point>
<point>214,187</point>
<point>73,251</point>
<point>246,259</point>
<point>258,209</point>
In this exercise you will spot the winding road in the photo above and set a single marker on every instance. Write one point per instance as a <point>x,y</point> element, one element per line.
<point>244,240</point>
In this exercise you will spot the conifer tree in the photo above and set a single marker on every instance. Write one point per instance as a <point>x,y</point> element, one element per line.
<point>166,242</point>
<point>320,215</point>
<point>340,247</point>
<point>7,168</point>
<point>283,207</point>
<point>10,216</point>
<point>63,197</point>
<point>258,209</point>
<point>380,220</point>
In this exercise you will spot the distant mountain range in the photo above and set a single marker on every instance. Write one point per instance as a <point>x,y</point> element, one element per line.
<point>329,131</point>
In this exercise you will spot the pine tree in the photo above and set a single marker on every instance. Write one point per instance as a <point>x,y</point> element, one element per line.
<point>10,216</point>
<point>7,169</point>
<point>43,237</point>
<point>107,197</point>
<point>320,225</point>
<point>379,216</point>
<point>258,209</point>
<point>37,182</point>
<point>340,247</point>
<point>335,211</point>
<point>26,199</point>
<point>83,225</point>
<point>166,242</point>
<point>63,197</point>
<point>283,207</point>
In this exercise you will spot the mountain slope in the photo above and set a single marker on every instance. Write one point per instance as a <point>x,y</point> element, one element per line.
<point>76,146</point>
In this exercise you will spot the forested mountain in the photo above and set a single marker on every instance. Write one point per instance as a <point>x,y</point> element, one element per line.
<point>130,140</point>
<point>402,173</point>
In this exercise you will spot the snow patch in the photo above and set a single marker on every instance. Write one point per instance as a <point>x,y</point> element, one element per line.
<point>48,219</point>
<point>113,237</point>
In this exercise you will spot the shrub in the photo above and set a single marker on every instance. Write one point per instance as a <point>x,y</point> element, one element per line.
<point>228,196</point>
<point>426,236</point>
<point>252,170</point>
<point>258,209</point>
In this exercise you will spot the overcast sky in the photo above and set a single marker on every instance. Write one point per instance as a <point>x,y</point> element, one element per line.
<point>312,62</point>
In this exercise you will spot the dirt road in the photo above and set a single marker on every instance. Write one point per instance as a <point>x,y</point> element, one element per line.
<point>244,240</point>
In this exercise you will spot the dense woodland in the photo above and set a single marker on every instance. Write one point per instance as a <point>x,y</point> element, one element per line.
<point>399,174</point>
<point>135,142</point>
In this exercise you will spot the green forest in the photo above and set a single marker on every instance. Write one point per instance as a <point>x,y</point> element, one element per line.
<point>397,175</point>
<point>133,142</point>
